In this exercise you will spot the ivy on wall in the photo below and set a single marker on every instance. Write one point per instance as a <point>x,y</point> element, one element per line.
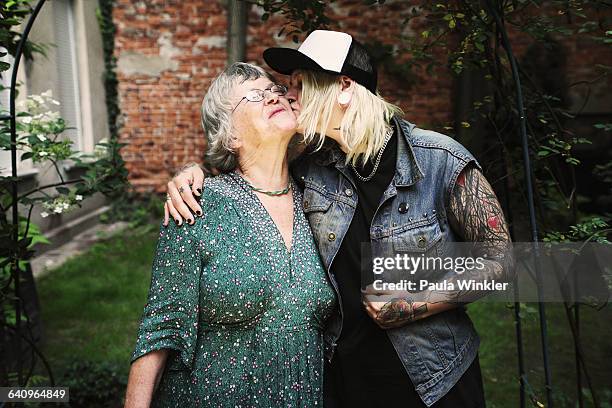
<point>104,14</point>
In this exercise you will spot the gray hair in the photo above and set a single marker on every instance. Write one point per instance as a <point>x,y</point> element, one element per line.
<point>217,114</point>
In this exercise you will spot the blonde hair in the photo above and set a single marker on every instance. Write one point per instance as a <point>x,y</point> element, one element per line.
<point>365,122</point>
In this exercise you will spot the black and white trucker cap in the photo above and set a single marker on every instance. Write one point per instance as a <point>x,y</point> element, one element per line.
<point>327,51</point>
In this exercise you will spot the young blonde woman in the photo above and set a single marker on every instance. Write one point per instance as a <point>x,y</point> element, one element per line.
<point>369,176</point>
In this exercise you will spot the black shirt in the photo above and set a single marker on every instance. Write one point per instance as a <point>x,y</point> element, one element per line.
<point>366,359</point>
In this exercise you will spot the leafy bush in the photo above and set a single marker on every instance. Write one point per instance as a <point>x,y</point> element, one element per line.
<point>138,209</point>
<point>94,385</point>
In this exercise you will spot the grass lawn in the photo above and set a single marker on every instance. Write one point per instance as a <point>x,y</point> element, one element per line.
<point>92,304</point>
<point>499,361</point>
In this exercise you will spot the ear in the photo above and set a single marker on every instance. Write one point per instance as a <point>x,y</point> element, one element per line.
<point>347,87</point>
<point>236,143</point>
<point>347,84</point>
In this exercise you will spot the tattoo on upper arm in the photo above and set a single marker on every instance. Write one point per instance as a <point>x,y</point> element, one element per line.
<point>475,213</point>
<point>475,210</point>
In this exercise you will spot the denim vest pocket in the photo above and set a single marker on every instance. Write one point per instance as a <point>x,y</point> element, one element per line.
<point>422,236</point>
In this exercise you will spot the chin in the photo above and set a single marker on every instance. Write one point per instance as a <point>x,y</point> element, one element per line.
<point>287,125</point>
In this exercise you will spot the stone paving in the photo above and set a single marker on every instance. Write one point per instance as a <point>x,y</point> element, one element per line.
<point>46,262</point>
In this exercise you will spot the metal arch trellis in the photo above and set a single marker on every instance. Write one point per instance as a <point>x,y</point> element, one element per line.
<point>15,271</point>
<point>12,118</point>
<point>532,221</point>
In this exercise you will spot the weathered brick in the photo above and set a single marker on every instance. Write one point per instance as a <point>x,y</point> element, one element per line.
<point>160,113</point>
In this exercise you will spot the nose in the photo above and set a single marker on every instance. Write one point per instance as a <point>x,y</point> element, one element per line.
<point>270,97</point>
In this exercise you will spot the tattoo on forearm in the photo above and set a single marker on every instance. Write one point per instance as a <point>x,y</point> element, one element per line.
<point>400,311</point>
<point>187,166</point>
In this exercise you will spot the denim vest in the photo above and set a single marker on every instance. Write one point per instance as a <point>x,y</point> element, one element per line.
<point>437,350</point>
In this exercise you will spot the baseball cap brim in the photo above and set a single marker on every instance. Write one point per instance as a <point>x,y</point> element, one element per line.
<point>286,60</point>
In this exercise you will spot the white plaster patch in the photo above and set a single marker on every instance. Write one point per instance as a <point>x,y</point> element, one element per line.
<point>133,63</point>
<point>211,41</point>
<point>166,49</point>
<point>339,10</point>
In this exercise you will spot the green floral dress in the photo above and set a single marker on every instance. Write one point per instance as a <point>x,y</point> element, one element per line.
<point>242,314</point>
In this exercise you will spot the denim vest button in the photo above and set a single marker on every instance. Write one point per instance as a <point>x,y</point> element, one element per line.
<point>422,241</point>
<point>306,204</point>
<point>403,208</point>
<point>348,192</point>
<point>331,236</point>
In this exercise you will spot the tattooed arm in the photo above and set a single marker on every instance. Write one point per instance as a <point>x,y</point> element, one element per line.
<point>476,216</point>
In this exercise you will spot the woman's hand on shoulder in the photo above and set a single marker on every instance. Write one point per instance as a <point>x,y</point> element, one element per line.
<point>180,194</point>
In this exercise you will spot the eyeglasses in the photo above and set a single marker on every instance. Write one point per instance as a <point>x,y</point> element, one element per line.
<point>258,95</point>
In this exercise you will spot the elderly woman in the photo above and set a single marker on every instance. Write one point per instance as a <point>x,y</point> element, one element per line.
<point>237,298</point>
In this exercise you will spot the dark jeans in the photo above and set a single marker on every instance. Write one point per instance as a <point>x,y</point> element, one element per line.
<point>399,392</point>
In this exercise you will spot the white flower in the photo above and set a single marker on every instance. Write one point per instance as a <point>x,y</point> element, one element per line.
<point>53,101</point>
<point>57,210</point>
<point>47,94</point>
<point>78,197</point>
<point>26,119</point>
<point>38,99</point>
<point>43,153</point>
<point>44,214</point>
<point>42,138</point>
<point>31,105</point>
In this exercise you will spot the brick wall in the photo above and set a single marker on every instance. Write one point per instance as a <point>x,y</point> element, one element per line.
<point>168,52</point>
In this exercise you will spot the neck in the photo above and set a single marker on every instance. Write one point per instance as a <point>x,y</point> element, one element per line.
<point>333,129</point>
<point>266,167</point>
<point>334,134</point>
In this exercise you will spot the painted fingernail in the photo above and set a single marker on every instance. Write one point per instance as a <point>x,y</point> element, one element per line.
<point>199,191</point>
<point>190,221</point>
<point>176,221</point>
<point>199,213</point>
